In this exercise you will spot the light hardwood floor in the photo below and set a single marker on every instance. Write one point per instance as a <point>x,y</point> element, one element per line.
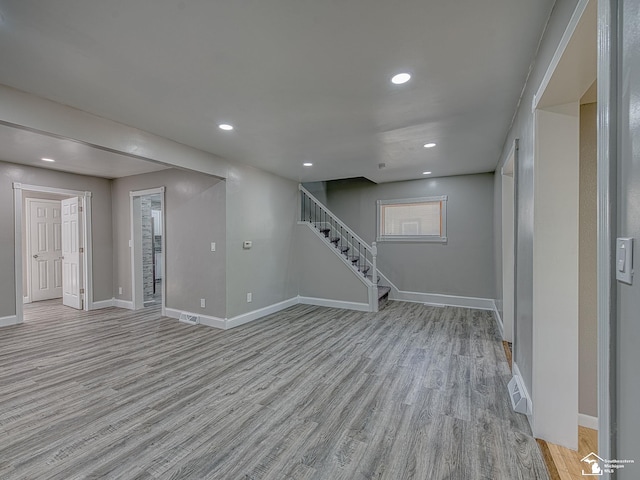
<point>567,462</point>
<point>412,392</point>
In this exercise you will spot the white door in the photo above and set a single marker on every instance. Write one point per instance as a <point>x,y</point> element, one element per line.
<point>71,253</point>
<point>45,241</point>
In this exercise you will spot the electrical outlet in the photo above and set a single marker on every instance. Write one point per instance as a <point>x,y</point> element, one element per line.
<point>202,303</point>
<point>213,246</point>
<point>119,290</point>
<point>249,297</point>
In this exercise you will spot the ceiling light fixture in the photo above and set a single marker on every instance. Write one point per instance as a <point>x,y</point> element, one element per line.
<point>48,160</point>
<point>225,126</point>
<point>426,173</point>
<point>429,145</point>
<point>307,164</point>
<point>400,78</point>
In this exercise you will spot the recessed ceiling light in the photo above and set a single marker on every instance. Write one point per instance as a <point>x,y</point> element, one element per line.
<point>400,78</point>
<point>225,126</point>
<point>48,160</point>
<point>307,164</point>
<point>426,173</point>
<point>429,145</point>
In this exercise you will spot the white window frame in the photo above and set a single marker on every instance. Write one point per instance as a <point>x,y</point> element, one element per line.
<point>442,238</point>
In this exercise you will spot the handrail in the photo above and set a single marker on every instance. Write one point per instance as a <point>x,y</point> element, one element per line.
<point>366,254</point>
<point>335,217</point>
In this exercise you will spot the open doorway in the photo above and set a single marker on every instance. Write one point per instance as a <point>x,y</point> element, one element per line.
<point>564,381</point>
<point>52,247</point>
<point>147,248</point>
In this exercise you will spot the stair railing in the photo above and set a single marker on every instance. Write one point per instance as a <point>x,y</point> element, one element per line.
<point>362,256</point>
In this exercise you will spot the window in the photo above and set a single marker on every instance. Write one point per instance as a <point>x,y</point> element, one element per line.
<point>413,220</point>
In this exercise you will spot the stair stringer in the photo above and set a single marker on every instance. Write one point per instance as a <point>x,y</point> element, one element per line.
<point>320,280</point>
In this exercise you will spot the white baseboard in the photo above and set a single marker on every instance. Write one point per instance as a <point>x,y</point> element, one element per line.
<point>8,321</point>
<point>498,319</point>
<point>228,323</point>
<point>128,304</point>
<point>102,304</point>
<point>206,320</point>
<point>259,313</point>
<point>26,299</point>
<point>324,302</point>
<point>438,299</point>
<point>588,421</point>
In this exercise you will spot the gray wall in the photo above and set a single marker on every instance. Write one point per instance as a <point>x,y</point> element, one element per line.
<point>464,266</point>
<point>587,254</point>
<point>628,319</point>
<point>523,128</point>
<point>321,273</point>
<point>101,216</point>
<point>261,207</point>
<point>195,217</point>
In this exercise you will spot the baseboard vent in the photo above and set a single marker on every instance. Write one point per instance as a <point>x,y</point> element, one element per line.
<point>189,318</point>
<point>520,400</point>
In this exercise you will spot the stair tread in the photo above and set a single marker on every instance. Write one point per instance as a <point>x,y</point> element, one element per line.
<point>382,291</point>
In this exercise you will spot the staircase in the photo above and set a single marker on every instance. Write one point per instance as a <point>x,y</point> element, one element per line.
<point>356,253</point>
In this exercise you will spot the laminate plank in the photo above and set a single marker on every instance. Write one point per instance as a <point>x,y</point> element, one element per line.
<point>412,392</point>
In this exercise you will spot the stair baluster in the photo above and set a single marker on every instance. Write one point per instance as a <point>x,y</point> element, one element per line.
<point>361,256</point>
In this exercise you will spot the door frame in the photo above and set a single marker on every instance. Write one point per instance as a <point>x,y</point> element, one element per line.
<point>608,17</point>
<point>27,231</point>
<point>136,303</point>
<point>87,272</point>
<point>556,104</point>
<point>509,169</point>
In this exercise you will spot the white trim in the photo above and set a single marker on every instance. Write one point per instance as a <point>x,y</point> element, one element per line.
<point>516,372</point>
<point>562,46</point>
<point>141,193</point>
<point>206,320</point>
<point>17,238</point>
<point>8,321</point>
<point>123,303</point>
<point>438,299</point>
<point>607,141</point>
<point>26,300</point>
<point>88,252</point>
<point>103,304</point>
<point>85,196</point>
<point>259,313</point>
<point>499,322</point>
<point>324,302</point>
<point>443,199</point>
<point>148,191</point>
<point>58,191</point>
<point>588,421</point>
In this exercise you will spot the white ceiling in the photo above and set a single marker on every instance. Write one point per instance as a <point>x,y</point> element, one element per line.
<point>301,80</point>
<point>28,148</point>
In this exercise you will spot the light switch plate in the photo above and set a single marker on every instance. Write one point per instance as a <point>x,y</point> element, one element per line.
<point>624,260</point>
<point>247,244</point>
<point>213,246</point>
